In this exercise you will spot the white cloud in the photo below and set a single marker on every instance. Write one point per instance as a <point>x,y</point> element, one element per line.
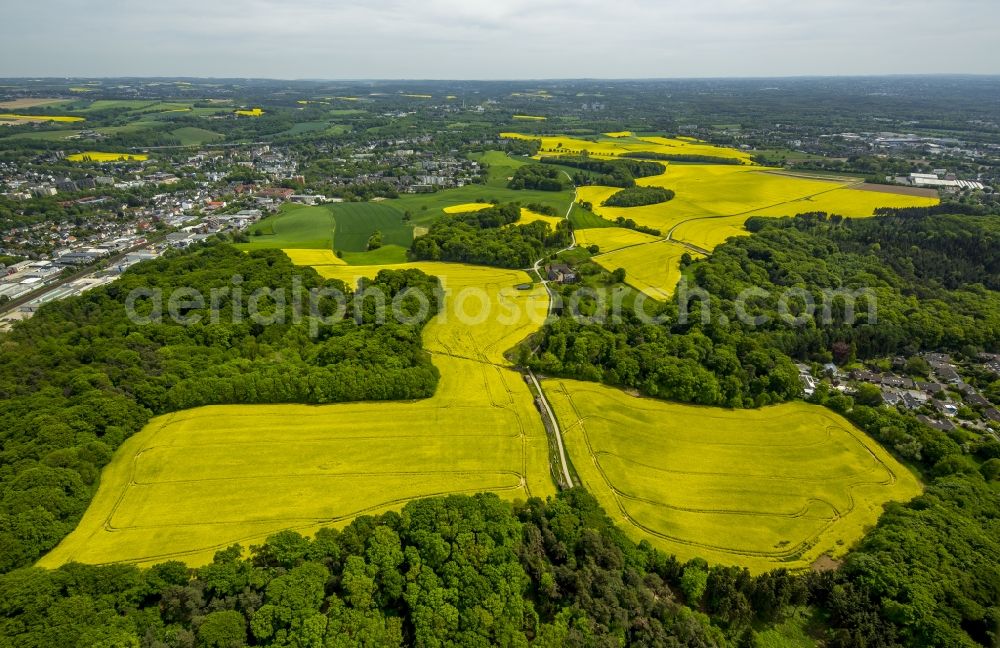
<point>497,38</point>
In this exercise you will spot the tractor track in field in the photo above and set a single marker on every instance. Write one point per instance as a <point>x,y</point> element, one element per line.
<point>787,552</point>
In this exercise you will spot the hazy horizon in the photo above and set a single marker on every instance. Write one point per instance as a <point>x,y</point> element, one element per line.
<point>508,40</point>
<point>787,77</point>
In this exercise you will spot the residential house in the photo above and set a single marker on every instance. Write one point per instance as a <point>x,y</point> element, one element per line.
<point>944,426</point>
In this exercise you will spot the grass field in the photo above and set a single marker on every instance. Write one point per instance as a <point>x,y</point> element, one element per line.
<point>45,136</point>
<point>385,255</point>
<point>339,226</point>
<point>191,136</point>
<point>198,480</point>
<point>318,128</point>
<point>357,221</point>
<point>294,226</point>
<point>104,156</point>
<point>583,219</point>
<point>30,102</point>
<point>777,487</point>
<point>115,104</point>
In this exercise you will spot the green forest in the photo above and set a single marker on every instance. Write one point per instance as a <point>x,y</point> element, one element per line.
<point>490,237</point>
<point>927,298</point>
<point>80,377</point>
<point>473,570</point>
<point>618,173</point>
<point>538,177</point>
<point>639,197</point>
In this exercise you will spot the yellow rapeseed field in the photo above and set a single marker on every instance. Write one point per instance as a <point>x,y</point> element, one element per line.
<point>762,489</point>
<point>314,257</point>
<point>64,119</point>
<point>254,112</point>
<point>530,118</point>
<point>192,482</point>
<point>620,143</point>
<point>609,239</point>
<point>528,216</point>
<point>713,201</point>
<point>651,268</point>
<point>467,207</point>
<point>104,156</point>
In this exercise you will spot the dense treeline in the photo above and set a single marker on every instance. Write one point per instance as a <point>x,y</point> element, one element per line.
<point>639,197</point>
<point>725,369</point>
<point>681,157</point>
<point>925,278</point>
<point>616,173</point>
<point>475,570</point>
<point>628,223</point>
<point>928,574</point>
<point>81,376</point>
<point>490,237</point>
<point>460,571</point>
<point>538,177</point>
<point>751,293</point>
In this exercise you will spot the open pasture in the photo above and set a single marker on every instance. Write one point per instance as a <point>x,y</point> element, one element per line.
<point>339,226</point>
<point>195,481</point>
<point>356,221</point>
<point>295,226</point>
<point>192,136</point>
<point>30,102</point>
<point>777,487</point>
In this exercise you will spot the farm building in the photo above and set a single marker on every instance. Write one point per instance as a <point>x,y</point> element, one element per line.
<point>561,273</point>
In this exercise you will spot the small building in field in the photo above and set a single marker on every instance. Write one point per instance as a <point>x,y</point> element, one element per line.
<point>561,273</point>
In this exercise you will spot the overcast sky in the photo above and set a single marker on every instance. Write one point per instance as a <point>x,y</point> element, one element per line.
<point>496,39</point>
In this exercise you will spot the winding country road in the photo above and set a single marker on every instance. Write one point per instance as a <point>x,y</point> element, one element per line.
<point>546,409</point>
